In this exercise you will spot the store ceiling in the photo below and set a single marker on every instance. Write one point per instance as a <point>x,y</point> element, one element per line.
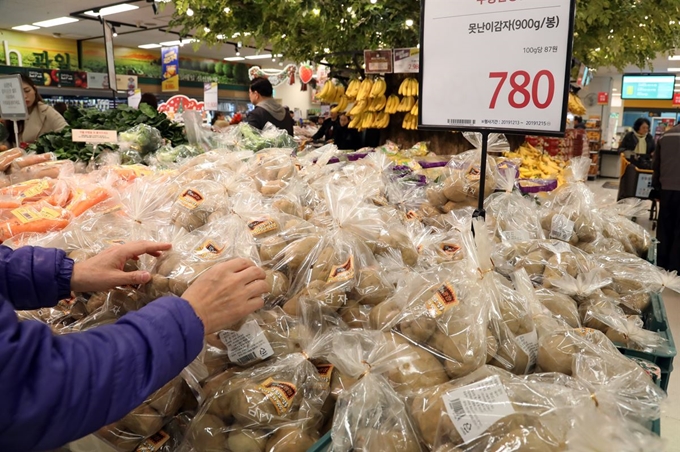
<point>25,12</point>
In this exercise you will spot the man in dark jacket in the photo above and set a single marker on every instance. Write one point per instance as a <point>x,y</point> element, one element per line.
<point>667,182</point>
<point>266,108</point>
<point>344,138</point>
<point>327,129</point>
<point>56,389</point>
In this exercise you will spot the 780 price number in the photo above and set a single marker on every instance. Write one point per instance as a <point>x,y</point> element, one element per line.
<point>525,89</point>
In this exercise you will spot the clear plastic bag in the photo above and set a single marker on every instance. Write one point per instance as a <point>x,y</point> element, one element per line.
<point>369,415</point>
<point>197,202</point>
<point>272,170</point>
<point>139,141</point>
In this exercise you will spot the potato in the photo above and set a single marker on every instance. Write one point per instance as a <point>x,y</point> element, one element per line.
<point>454,188</point>
<point>429,210</point>
<point>534,439</point>
<point>298,251</point>
<point>533,263</point>
<point>561,306</point>
<point>372,440</point>
<point>409,255</point>
<point>355,314</point>
<point>422,372</point>
<point>449,206</point>
<point>637,302</point>
<point>207,433</point>
<point>491,346</point>
<point>168,263</point>
<point>436,196</point>
<point>427,410</point>
<point>287,206</point>
<point>270,247</point>
<point>190,220</point>
<point>243,440</point>
<point>278,284</point>
<point>585,231</point>
<point>384,313</point>
<point>512,358</point>
<point>420,329</point>
<point>143,420</point>
<point>461,358</point>
<point>272,187</point>
<point>123,441</point>
<point>555,353</point>
<point>321,269</point>
<point>168,399</point>
<point>371,288</point>
<point>617,336</point>
<point>251,406</point>
<point>290,439</point>
<point>158,285</point>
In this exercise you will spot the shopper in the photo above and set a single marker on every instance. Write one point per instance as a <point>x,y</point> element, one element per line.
<point>61,107</point>
<point>150,100</point>
<point>667,183</point>
<point>326,131</point>
<point>578,123</point>
<point>56,389</point>
<point>41,119</point>
<point>638,145</point>
<point>345,138</point>
<point>266,108</point>
<point>219,116</point>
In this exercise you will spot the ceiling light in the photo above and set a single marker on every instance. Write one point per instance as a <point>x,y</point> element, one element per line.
<point>234,59</point>
<point>150,46</point>
<point>409,22</point>
<point>206,29</point>
<point>316,11</point>
<point>115,33</point>
<point>227,10</point>
<point>259,57</point>
<point>55,22</point>
<point>281,64</point>
<point>374,1</point>
<point>274,59</point>
<point>674,69</point>
<point>220,37</point>
<point>674,58</point>
<point>179,42</point>
<point>190,12</point>
<point>115,9</point>
<point>25,28</point>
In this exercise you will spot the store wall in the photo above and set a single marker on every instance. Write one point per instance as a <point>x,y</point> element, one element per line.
<point>292,97</point>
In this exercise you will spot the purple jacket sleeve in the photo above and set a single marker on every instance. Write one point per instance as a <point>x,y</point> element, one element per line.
<point>33,278</point>
<point>56,389</point>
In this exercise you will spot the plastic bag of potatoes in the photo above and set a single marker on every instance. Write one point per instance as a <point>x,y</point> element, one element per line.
<point>149,418</point>
<point>196,202</point>
<point>272,170</point>
<point>443,311</point>
<point>492,409</point>
<point>196,252</point>
<point>370,415</point>
<point>258,402</point>
<point>436,246</point>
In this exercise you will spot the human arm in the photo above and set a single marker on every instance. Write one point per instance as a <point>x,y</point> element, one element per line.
<point>321,133</point>
<point>54,121</point>
<point>256,119</point>
<point>628,143</point>
<point>656,166</point>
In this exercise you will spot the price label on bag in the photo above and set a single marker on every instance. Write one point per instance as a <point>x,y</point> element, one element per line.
<point>496,64</point>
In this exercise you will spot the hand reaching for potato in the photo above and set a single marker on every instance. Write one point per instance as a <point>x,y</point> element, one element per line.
<point>226,293</point>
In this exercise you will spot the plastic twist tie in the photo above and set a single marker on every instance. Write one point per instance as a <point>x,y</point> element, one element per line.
<point>306,356</point>
<point>368,369</point>
<point>594,399</point>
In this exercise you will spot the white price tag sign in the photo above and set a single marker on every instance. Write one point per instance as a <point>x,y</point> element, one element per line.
<point>210,96</point>
<point>12,103</point>
<point>94,136</point>
<point>407,61</point>
<point>520,83</point>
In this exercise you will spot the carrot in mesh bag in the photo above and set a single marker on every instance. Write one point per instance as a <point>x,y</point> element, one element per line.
<point>195,252</point>
<point>519,412</point>
<point>370,415</point>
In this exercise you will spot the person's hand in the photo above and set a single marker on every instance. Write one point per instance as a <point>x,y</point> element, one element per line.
<point>226,293</point>
<point>105,270</point>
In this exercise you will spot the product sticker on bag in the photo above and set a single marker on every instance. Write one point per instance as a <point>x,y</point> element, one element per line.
<point>342,273</point>
<point>529,343</point>
<point>476,407</point>
<point>247,345</point>
<point>279,393</point>
<point>443,299</point>
<point>191,198</point>
<point>35,190</point>
<point>412,215</point>
<point>325,372</point>
<point>450,249</point>
<point>562,228</point>
<point>584,332</point>
<point>262,226</point>
<point>29,214</point>
<point>209,250</point>
<point>515,236</point>
<point>154,442</point>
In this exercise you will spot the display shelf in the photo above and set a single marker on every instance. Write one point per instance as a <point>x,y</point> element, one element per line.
<point>323,445</point>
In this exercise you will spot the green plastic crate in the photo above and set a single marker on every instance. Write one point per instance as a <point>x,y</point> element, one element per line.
<point>652,253</point>
<point>657,320</point>
<point>323,445</point>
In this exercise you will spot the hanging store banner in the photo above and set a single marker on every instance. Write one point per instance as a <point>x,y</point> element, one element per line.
<point>602,98</point>
<point>407,61</point>
<point>210,96</point>
<point>170,64</point>
<point>378,61</point>
<point>521,85</point>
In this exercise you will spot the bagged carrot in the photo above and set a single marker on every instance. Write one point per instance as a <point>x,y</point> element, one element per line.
<point>85,200</point>
<point>7,157</point>
<point>36,218</point>
<point>32,159</point>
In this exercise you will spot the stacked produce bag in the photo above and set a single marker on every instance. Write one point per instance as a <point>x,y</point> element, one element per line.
<point>394,320</point>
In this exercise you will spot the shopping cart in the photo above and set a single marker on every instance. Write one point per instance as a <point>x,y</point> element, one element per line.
<point>637,183</point>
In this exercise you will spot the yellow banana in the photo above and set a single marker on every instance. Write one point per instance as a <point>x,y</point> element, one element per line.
<point>339,92</point>
<point>375,89</point>
<point>359,108</point>
<point>403,87</point>
<point>354,124</point>
<point>365,89</point>
<point>353,89</point>
<point>414,110</point>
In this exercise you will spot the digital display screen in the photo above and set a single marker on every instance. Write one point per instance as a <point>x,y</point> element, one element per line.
<point>648,86</point>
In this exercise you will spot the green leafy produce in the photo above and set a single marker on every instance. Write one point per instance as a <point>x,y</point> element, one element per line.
<point>142,138</point>
<point>270,137</point>
<point>120,119</point>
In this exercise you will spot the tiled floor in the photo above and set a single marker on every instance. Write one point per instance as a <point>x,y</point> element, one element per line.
<point>670,419</point>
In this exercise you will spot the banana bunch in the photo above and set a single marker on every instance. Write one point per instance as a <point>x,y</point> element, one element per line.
<point>392,104</point>
<point>407,103</point>
<point>359,108</point>
<point>342,105</point>
<point>409,87</point>
<point>382,120</point>
<point>378,89</point>
<point>328,92</point>
<point>355,122</point>
<point>410,122</point>
<point>414,110</point>
<point>378,103</point>
<point>536,164</point>
<point>365,89</point>
<point>339,93</point>
<point>575,105</point>
<point>353,89</point>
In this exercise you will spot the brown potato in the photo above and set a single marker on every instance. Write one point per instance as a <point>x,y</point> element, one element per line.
<point>422,372</point>
<point>278,284</point>
<point>290,439</point>
<point>355,315</point>
<point>436,196</point>
<point>244,440</point>
<point>168,399</point>
<point>555,353</point>
<point>122,440</point>
<point>207,433</point>
<point>454,188</point>
<point>143,420</point>
<point>372,440</point>
<point>270,247</point>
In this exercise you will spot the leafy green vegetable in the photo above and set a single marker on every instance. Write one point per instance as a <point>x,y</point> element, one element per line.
<point>120,119</point>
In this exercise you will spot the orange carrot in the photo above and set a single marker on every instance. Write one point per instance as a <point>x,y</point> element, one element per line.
<point>86,201</point>
<point>32,159</point>
<point>9,204</point>
<point>14,227</point>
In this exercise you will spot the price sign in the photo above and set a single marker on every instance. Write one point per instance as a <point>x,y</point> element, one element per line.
<point>378,61</point>
<point>603,98</point>
<point>210,96</point>
<point>407,61</point>
<point>12,103</point>
<point>498,65</point>
<point>676,99</point>
<point>94,136</point>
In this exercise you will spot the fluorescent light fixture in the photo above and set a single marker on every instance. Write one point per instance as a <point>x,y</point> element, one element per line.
<point>259,57</point>
<point>150,46</point>
<point>115,9</point>
<point>674,69</point>
<point>55,22</point>
<point>234,59</point>
<point>674,58</point>
<point>25,28</point>
<point>178,42</point>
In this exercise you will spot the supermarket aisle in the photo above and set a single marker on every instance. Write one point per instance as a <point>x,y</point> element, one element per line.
<point>670,419</point>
